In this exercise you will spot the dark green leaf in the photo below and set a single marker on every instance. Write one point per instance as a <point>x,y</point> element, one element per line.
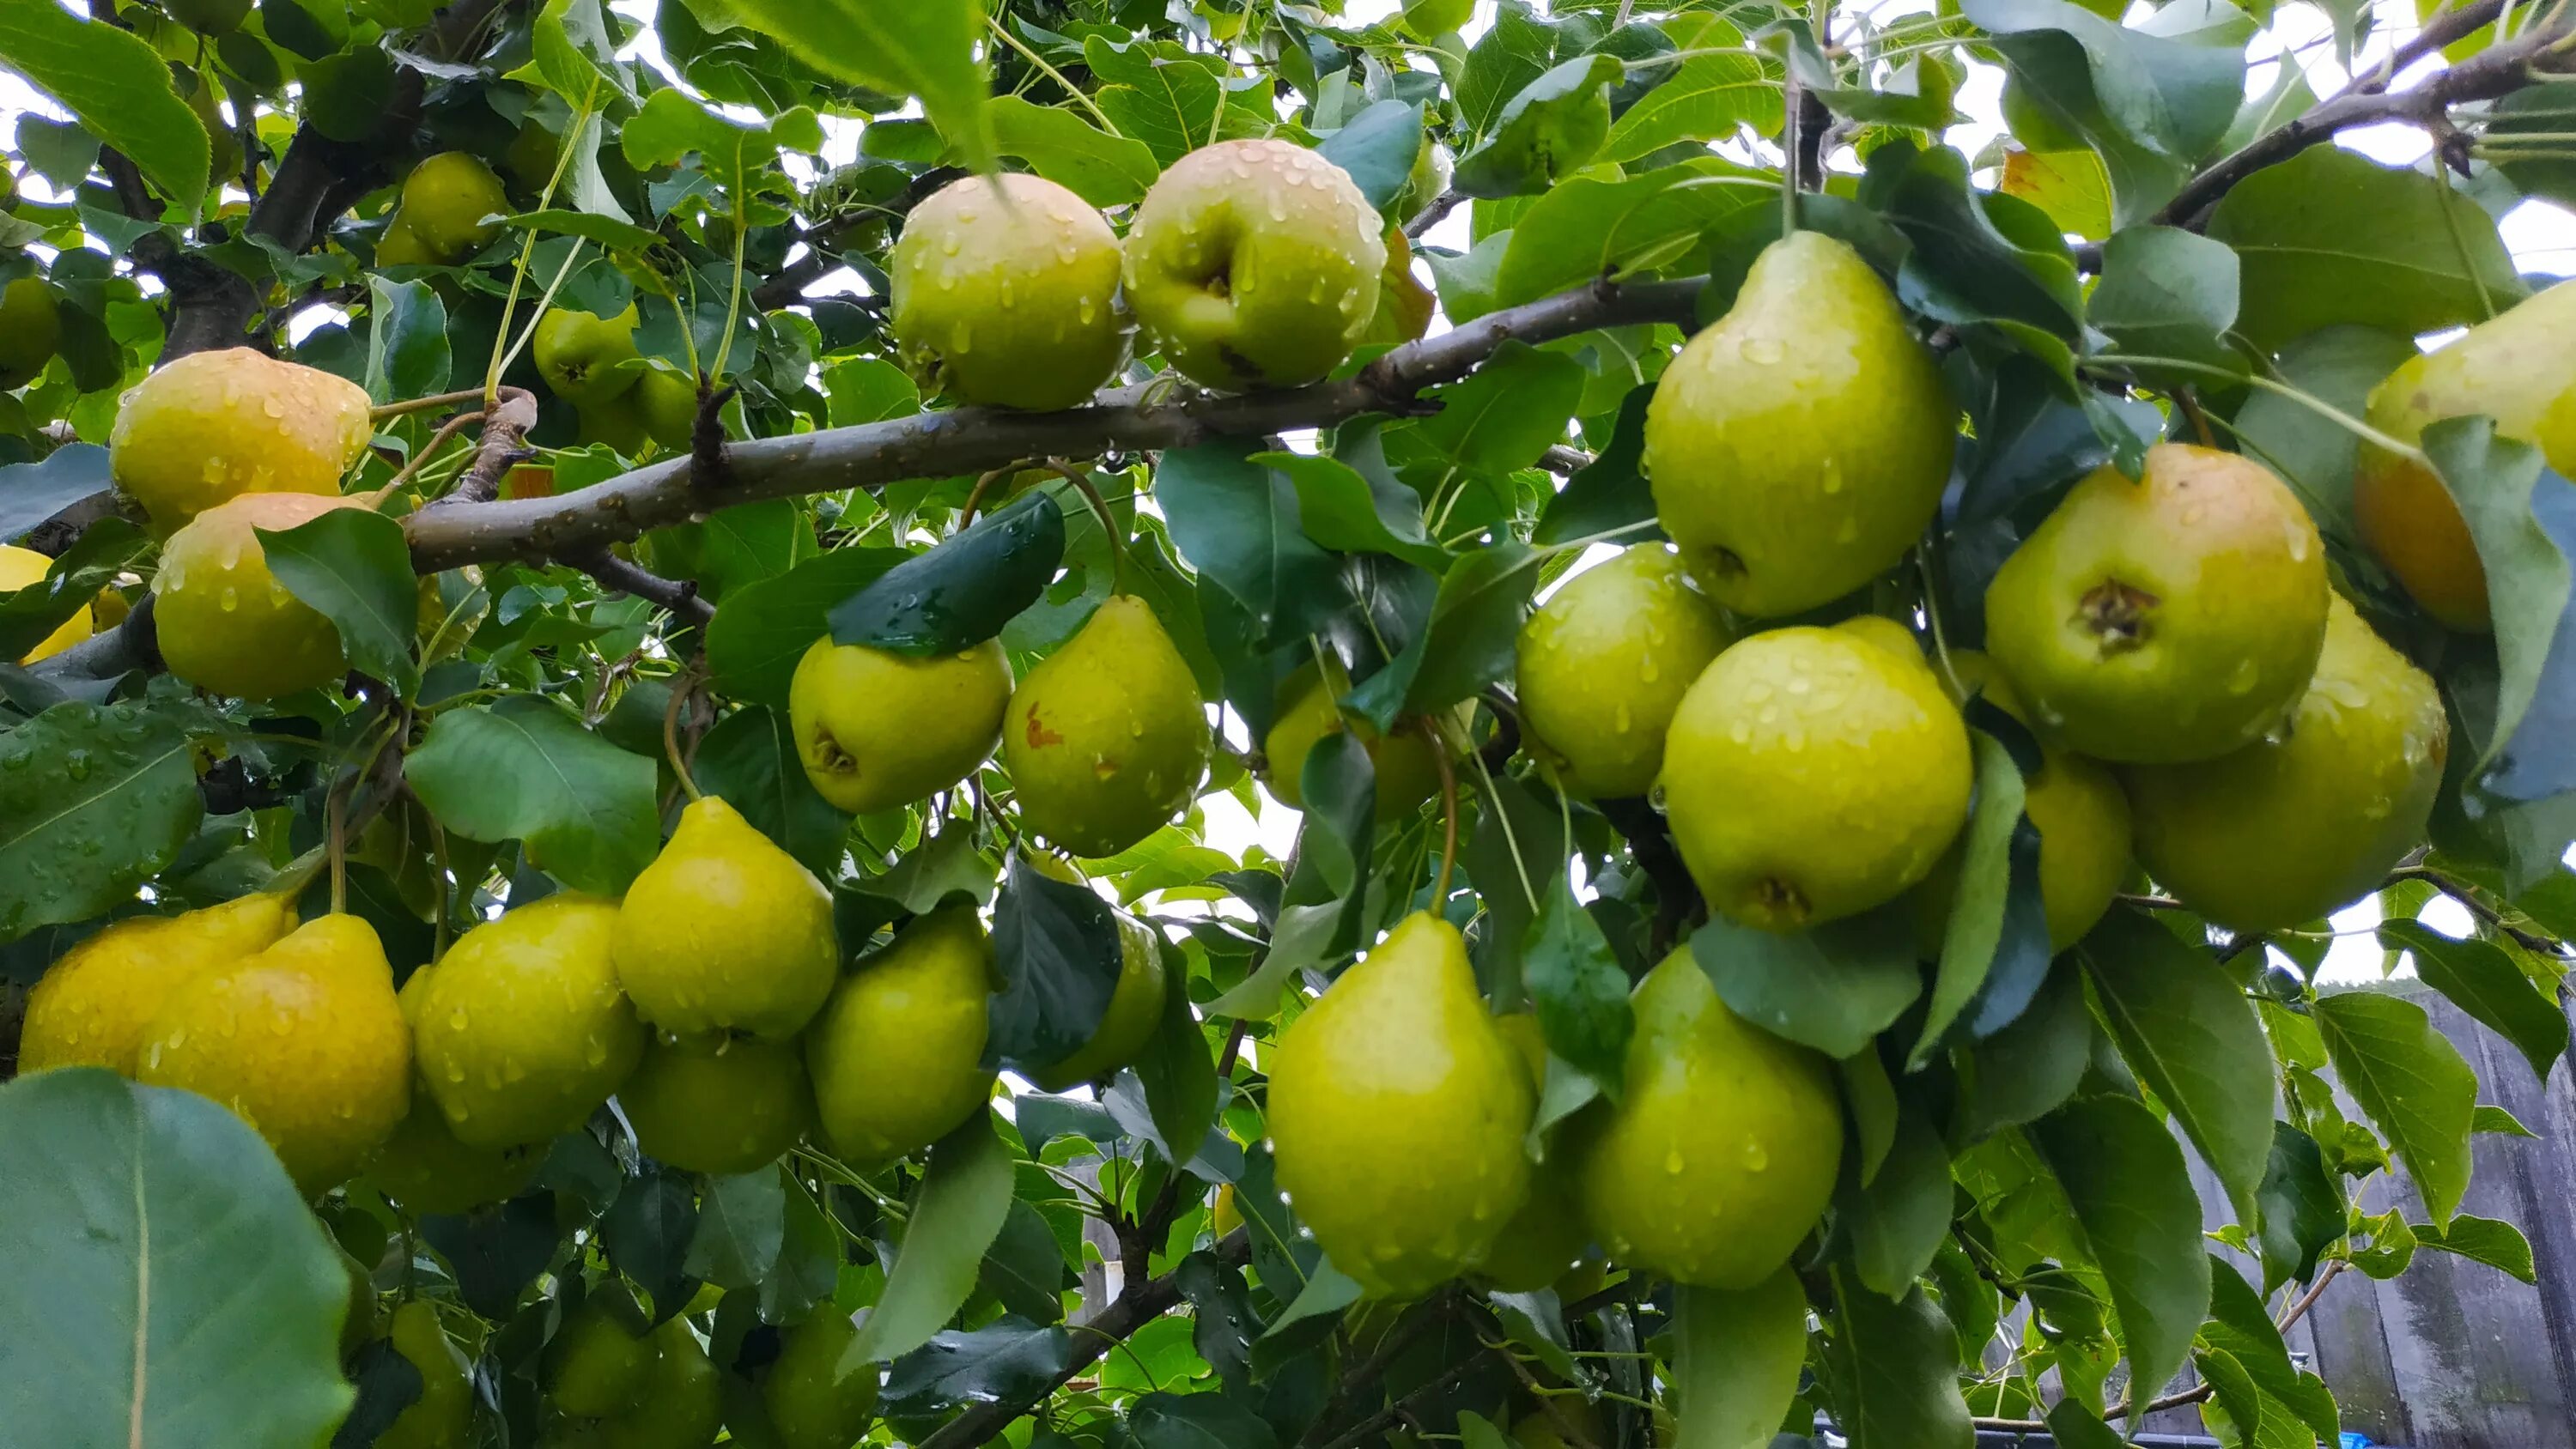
<point>1475,624</point>
<point>353,567</point>
<point>1511,410</point>
<point>1057,951</point>
<point>72,582</point>
<point>1344,510</point>
<point>1900,1219</point>
<point>2412,1084</point>
<point>2523,517</point>
<point>1982,906</point>
<point>1551,127</point>
<point>1223,1322</point>
<point>1177,1070</point>
<point>497,1253</point>
<point>808,1266</point>
<point>2314,454</point>
<point>2167,293</point>
<point>387,1384</point>
<point>93,802</point>
<point>2302,1208</point>
<point>1009,1358</point>
<point>522,769</point>
<point>2124,1175</point>
<point>964,589</point>
<point>647,1233</point>
<point>964,1196</point>
<point>1735,1361</point>
<point>1832,988</point>
<point>2022,1072</point>
<point>741,1226</point>
<point>766,627</point>
<point>407,353</point>
<point>1609,495</point>
<point>1893,1370</point>
<point>1024,1269</point>
<point>1238,523</point>
<point>749,759</point>
<point>2498,1245</point>
<point>1197,1421</point>
<point>1576,985</point>
<point>2483,981</point>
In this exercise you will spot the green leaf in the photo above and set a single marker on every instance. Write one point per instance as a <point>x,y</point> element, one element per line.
<point>921,48</point>
<point>742,1223</point>
<point>2302,1208</point>
<point>1177,1070</point>
<point>965,1194</point>
<point>136,1220</point>
<point>2313,454</point>
<point>2411,1083</point>
<point>353,567</point>
<point>1025,1267</point>
<point>1238,523</point>
<point>1511,410</point>
<point>749,760</point>
<point>1343,509</point>
<point>2498,1122</point>
<point>1735,1361</point>
<point>2523,519</point>
<point>1870,1097</point>
<point>1549,129</point>
<point>1157,92</point>
<point>115,85</point>
<point>1475,623</point>
<point>71,583</point>
<point>765,627</point>
<point>1586,227</point>
<point>964,589</point>
<point>2124,1175</point>
<point>407,354</point>
<point>1900,1219</point>
<point>572,53</point>
<point>2483,981</point>
<point>1057,952</point>
<point>672,126</point>
<point>2167,293</point>
<point>1705,98</point>
<point>1608,495</point>
<point>1832,988</point>
<point>1980,910</point>
<point>1006,1359</point>
<point>1061,146</point>
<point>1577,987</point>
<point>2498,1245</point>
<point>522,769</point>
<point>2241,1327</point>
<point>94,800</point>
<point>1894,1370</point>
<point>30,493</point>
<point>2021,1073</point>
<point>1327,1291</point>
<point>622,237</point>
<point>1980,260</point>
<point>1197,1421</point>
<point>1378,147</point>
<point>2071,186</point>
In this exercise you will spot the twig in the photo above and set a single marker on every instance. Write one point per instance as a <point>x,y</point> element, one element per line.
<point>1362,1379</point>
<point>1432,215</point>
<point>1564,461</point>
<point>1650,840</point>
<point>680,596</point>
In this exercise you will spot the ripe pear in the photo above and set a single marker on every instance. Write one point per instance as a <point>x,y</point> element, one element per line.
<point>92,1007</point>
<point>215,425</point>
<point>1005,292</point>
<point>599,1361</point>
<point>1397,1109</point>
<point>1135,1009</point>
<point>424,1167</point>
<point>225,622</point>
<point>578,354</point>
<point>897,1054</point>
<point>1814,773</point>
<point>24,568</point>
<point>725,930</point>
<point>2288,829</point>
<point>445,200</point>
<point>876,730</point>
<point>31,328</point>
<point>304,1041</point>
<point>1798,447</point>
<point>1107,738</point>
<point>666,401</point>
<point>400,246</point>
<point>812,1404</point>
<point>443,1416</point>
<point>1603,665</point>
<point>2518,369</point>
<point>1723,1147</point>
<point>2175,618</point>
<point>1542,1240</point>
<point>718,1103</point>
<point>1254,264</point>
<point>1407,773</point>
<point>521,1028</point>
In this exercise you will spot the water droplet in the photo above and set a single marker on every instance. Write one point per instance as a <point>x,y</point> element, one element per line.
<point>1673,1162</point>
<point>2192,514</point>
<point>1647,670</point>
<point>2247,675</point>
<point>1755,1159</point>
<point>1619,719</point>
<point>229,599</point>
<point>1801,684</point>
<point>456,1019</point>
<point>1762,351</point>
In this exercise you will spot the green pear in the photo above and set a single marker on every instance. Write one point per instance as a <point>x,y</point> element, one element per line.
<point>446,199</point>
<point>2174,618</point>
<point>1397,1109</point>
<point>1604,663</point>
<point>521,1028</point>
<point>1546,1427</point>
<point>423,1166</point>
<point>1724,1144</point>
<point>1541,1241</point>
<point>1423,184</point>
<point>1812,774</point>
<point>666,400</point>
<point>95,1004</point>
<point>224,622</point>
<point>718,1104</point>
<point>2291,828</point>
<point>2519,369</point>
<point>602,1356</point>
<point>617,422</point>
<point>812,1403</point>
<point>1005,291</point>
<point>31,329</point>
<point>1798,447</point>
<point>877,729</point>
<point>1107,738</point>
<point>1135,1009</point>
<point>443,1416</point>
<point>1254,264</point>
<point>214,425</point>
<point>724,930</point>
<point>897,1054</point>
<point>578,353</point>
<point>400,246</point>
<point>1407,772</point>
<point>682,1402</point>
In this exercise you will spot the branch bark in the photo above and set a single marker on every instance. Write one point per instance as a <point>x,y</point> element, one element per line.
<point>680,596</point>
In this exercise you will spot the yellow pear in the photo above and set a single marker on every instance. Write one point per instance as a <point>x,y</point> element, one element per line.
<point>1798,447</point>
<point>725,930</point>
<point>718,1104</point>
<point>424,1167</point>
<point>603,1355</point>
<point>31,331</point>
<point>304,1041</point>
<point>1107,739</point>
<point>877,730</point>
<point>1723,1147</point>
<point>225,623</point>
<point>520,1028</point>
<point>2174,618</point>
<point>23,568</point>
<point>897,1053</point>
<point>1135,1009</point>
<point>1397,1110</point>
<point>812,1402</point>
<point>1542,1240</point>
<point>442,1417</point>
<point>1814,773</point>
<point>578,353</point>
<point>1603,665</point>
<point>215,425</point>
<point>92,1007</point>
<point>1407,773</point>
<point>2288,829</point>
<point>1005,291</point>
<point>445,200</point>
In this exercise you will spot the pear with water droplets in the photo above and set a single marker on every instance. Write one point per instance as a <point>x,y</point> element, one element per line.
<point>1407,772</point>
<point>94,1006</point>
<point>1107,739</point>
<point>1542,1240</point>
<point>876,729</point>
<point>1722,1150</point>
<point>212,426</point>
<point>1005,291</point>
<point>1811,774</point>
<point>811,1401</point>
<point>446,201</point>
<point>24,567</point>
<point>2290,828</point>
<point>1798,447</point>
<point>1603,665</point>
<point>724,930</point>
<point>2169,619</point>
<point>1397,1109</point>
<point>718,1104</point>
<point>897,1054</point>
<point>223,620</point>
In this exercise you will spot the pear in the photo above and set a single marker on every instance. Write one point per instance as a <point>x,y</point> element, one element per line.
<point>681,1405</point>
<point>2519,369</point>
<point>224,622</point>
<point>2288,829</point>
<point>215,425</point>
<point>520,1029</point>
<point>667,402</point>
<point>1546,1427</point>
<point>1798,447</point>
<point>718,1104</point>
<point>1135,1009</point>
<point>1005,291</point>
<point>812,1403</point>
<point>897,1054</point>
<point>24,568</point>
<point>600,1360</point>
<point>304,1041</point>
<point>400,246</point>
<point>1407,773</point>
<point>616,422</point>
<point>1723,1147</point>
<point>424,1168</point>
<point>1397,1109</point>
<point>876,730</point>
<point>31,331</point>
<point>578,354</point>
<point>1542,1240</point>
<point>1107,739</point>
<point>442,1417</point>
<point>1812,774</point>
<point>93,1007</point>
<point>445,201</point>
<point>1603,665</point>
<point>725,930</point>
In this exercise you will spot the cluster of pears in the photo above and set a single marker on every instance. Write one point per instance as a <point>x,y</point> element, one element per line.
<point>614,1379</point>
<point>449,209</point>
<point>584,358</point>
<point>1249,264</point>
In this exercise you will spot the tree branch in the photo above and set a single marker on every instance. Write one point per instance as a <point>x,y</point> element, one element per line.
<point>1650,840</point>
<point>680,596</point>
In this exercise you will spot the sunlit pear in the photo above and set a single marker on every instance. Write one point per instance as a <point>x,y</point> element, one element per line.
<point>1722,1149</point>
<point>2520,370</point>
<point>2292,827</point>
<point>400,246</point>
<point>31,329</point>
<point>1542,1240</point>
<point>446,200</point>
<point>1604,663</point>
<point>1397,1109</point>
<point>92,1007</point>
<point>1254,264</point>
<point>442,1417</point>
<point>724,930</point>
<point>1107,738</point>
<point>424,1168</point>
<point>304,1041</point>
<point>876,729</point>
<point>1005,292</point>
<point>1798,447</point>
<point>215,425</point>
<point>578,353</point>
<point>225,622</point>
<point>718,1104</point>
<point>1407,772</point>
<point>812,1403</point>
<point>22,568</point>
<point>2174,618</point>
<point>602,1356</point>
<point>1811,774</point>
<point>1135,1009</point>
<point>897,1054</point>
<point>521,1028</point>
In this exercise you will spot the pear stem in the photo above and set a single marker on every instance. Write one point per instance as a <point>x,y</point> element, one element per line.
<point>2310,401</point>
<point>334,813</point>
<point>1932,615</point>
<point>1448,810</point>
<point>437,440</point>
<point>975,495</point>
<point>688,681</point>
<point>1108,524</point>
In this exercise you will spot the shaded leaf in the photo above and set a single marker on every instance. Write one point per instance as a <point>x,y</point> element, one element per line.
<point>1736,1358</point>
<point>964,589</point>
<point>2124,1176</point>
<point>1832,988</point>
<point>94,800</point>
<point>353,567</point>
<point>964,1196</point>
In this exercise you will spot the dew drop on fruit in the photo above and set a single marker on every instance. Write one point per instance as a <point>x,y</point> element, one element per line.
<point>2247,675</point>
<point>1762,351</point>
<point>1673,1162</point>
<point>1647,671</point>
<point>456,1019</point>
<point>229,599</point>
<point>1755,1159</point>
<point>1620,721</point>
<point>1796,740</point>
